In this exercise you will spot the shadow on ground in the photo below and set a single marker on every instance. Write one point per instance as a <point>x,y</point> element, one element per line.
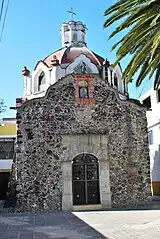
<point>60,225</point>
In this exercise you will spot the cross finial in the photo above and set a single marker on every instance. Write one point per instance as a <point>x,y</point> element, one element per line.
<point>72,13</point>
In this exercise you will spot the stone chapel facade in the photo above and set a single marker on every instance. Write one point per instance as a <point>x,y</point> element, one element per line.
<point>81,142</point>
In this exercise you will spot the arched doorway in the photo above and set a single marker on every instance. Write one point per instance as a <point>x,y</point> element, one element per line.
<point>85,180</point>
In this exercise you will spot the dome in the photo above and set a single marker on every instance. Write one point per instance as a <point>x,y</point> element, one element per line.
<point>74,57</point>
<point>68,55</point>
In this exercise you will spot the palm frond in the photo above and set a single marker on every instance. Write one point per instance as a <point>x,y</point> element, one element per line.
<point>157,79</point>
<point>142,41</point>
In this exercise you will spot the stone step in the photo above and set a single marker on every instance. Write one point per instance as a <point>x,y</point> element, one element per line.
<point>87,207</point>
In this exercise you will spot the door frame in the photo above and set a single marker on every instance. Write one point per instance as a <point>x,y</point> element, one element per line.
<point>89,144</point>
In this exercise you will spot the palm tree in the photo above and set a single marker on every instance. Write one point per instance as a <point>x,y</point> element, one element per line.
<point>142,40</point>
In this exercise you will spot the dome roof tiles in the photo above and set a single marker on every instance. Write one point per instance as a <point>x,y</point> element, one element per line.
<point>68,55</point>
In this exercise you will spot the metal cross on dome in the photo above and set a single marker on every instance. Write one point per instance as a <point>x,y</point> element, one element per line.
<point>72,12</point>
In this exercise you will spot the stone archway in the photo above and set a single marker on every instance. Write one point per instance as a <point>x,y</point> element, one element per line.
<point>85,180</point>
<point>95,145</point>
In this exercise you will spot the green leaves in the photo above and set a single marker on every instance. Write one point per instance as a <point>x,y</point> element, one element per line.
<point>142,40</point>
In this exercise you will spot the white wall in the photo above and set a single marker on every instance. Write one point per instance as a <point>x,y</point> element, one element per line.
<point>153,119</point>
<point>122,88</point>
<point>153,116</point>
<point>155,154</point>
<point>31,83</point>
<point>58,73</point>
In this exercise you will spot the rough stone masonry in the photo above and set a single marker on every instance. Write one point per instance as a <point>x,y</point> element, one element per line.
<point>43,122</point>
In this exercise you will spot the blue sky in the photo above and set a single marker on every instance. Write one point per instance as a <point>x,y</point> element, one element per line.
<point>32,31</point>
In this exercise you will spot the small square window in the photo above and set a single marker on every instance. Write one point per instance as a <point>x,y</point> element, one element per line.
<point>147,102</point>
<point>150,137</point>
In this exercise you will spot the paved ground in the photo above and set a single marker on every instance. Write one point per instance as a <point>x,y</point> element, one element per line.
<point>82,225</point>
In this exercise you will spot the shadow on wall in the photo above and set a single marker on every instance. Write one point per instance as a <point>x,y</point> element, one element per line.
<point>4,178</point>
<point>12,183</point>
<point>156,173</point>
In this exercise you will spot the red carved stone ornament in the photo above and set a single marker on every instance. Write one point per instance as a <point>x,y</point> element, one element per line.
<point>25,71</point>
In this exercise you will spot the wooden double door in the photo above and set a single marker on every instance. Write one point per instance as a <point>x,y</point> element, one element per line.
<point>85,180</point>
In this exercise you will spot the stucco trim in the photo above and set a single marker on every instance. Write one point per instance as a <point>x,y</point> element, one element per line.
<point>71,77</point>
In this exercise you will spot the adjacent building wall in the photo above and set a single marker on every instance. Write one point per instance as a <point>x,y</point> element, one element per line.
<point>153,119</point>
<point>7,138</point>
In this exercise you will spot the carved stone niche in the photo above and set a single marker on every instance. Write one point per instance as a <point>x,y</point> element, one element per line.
<point>82,68</point>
